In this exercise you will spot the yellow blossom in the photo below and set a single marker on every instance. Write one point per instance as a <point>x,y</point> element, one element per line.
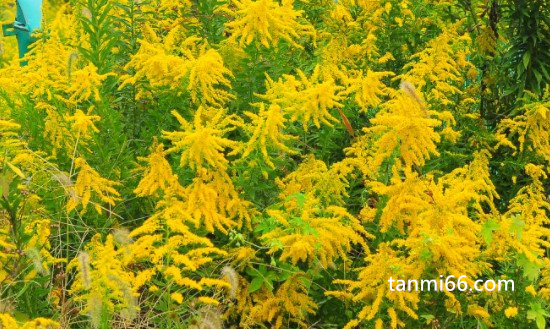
<point>103,280</point>
<point>208,300</point>
<point>56,131</point>
<point>157,174</point>
<point>438,69</point>
<point>87,181</point>
<point>266,21</point>
<point>531,127</point>
<point>166,243</point>
<point>480,313</point>
<point>306,99</point>
<point>206,76</point>
<point>178,297</point>
<point>8,322</point>
<point>305,231</point>
<point>268,130</point>
<point>202,141</point>
<point>406,125</point>
<point>531,290</point>
<point>289,303</point>
<point>83,124</point>
<point>511,312</point>
<point>368,88</point>
<point>199,69</point>
<point>212,202</point>
<point>372,287</point>
<point>85,84</point>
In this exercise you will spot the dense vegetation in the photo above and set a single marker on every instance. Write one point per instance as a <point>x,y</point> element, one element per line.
<point>271,164</point>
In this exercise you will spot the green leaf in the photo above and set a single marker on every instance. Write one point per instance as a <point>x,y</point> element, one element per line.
<point>526,59</point>
<point>269,283</point>
<point>271,275</point>
<point>300,199</point>
<point>487,230</point>
<point>541,322</point>
<point>305,281</point>
<point>538,76</point>
<point>537,313</point>
<point>5,181</point>
<point>426,254</point>
<point>251,271</point>
<point>530,270</point>
<point>428,317</point>
<point>256,284</point>
<point>517,226</point>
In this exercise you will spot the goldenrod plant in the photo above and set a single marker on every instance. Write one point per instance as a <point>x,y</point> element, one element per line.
<point>275,164</point>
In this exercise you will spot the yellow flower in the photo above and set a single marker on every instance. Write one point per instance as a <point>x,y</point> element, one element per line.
<point>103,280</point>
<point>372,287</point>
<point>531,127</point>
<point>8,322</point>
<point>314,176</point>
<point>531,290</point>
<point>289,303</point>
<point>212,201</point>
<point>83,124</point>
<point>202,141</point>
<point>266,21</point>
<point>406,125</point>
<point>369,88</point>
<point>207,75</point>
<point>157,174</point>
<point>190,62</point>
<point>511,312</point>
<point>268,130</point>
<point>480,313</point>
<point>439,66</point>
<point>156,64</point>
<point>56,130</point>
<point>306,99</point>
<point>306,232</point>
<point>85,84</point>
<point>208,300</point>
<point>88,181</point>
<point>177,297</point>
<point>166,244</point>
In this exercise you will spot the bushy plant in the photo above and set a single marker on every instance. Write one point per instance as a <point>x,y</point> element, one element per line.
<point>272,163</point>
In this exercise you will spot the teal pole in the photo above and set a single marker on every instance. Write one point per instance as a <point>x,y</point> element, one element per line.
<point>27,20</point>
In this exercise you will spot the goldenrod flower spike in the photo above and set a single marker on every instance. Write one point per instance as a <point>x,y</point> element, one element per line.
<point>82,124</point>
<point>89,183</point>
<point>189,66</point>
<point>157,174</point>
<point>202,142</point>
<point>267,129</point>
<point>85,84</point>
<point>308,100</point>
<point>265,21</point>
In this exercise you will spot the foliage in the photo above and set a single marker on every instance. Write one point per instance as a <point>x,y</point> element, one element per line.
<point>272,163</point>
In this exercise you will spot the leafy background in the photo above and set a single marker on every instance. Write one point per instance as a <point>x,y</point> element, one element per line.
<point>270,164</point>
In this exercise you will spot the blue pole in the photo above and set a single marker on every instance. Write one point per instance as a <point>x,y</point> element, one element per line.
<point>27,20</point>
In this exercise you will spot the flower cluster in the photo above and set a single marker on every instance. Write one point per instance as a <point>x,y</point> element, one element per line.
<point>272,163</point>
